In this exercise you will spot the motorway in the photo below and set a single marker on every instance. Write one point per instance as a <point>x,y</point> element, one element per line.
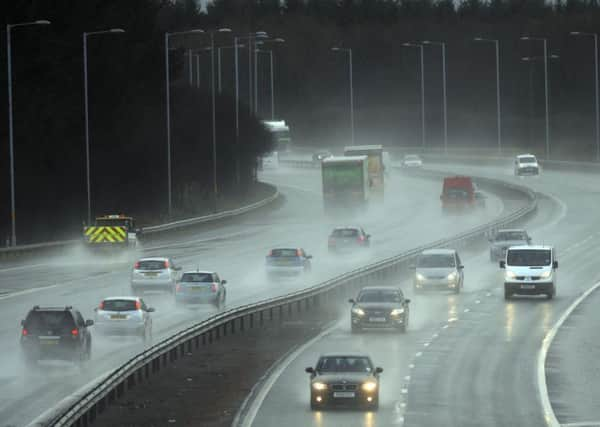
<point>410,217</point>
<point>471,359</point>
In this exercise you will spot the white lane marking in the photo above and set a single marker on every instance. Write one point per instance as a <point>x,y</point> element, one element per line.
<point>548,412</point>
<point>411,366</point>
<point>271,379</point>
<point>404,391</point>
<point>582,424</point>
<point>426,344</point>
<point>445,326</point>
<point>467,310</point>
<point>419,354</point>
<point>407,378</point>
<point>27,291</point>
<point>23,267</point>
<point>477,301</point>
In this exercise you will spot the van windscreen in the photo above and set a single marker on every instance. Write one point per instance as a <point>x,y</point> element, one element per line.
<point>529,257</point>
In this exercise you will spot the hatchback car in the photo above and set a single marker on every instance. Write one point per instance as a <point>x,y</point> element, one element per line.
<point>526,164</point>
<point>504,239</point>
<point>344,379</point>
<point>439,269</point>
<point>55,333</point>
<point>412,161</point>
<point>156,273</point>
<point>285,261</point>
<point>124,316</point>
<point>379,307</point>
<point>201,287</point>
<point>321,155</point>
<point>348,238</point>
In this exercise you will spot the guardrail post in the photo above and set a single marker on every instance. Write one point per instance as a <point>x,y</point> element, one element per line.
<point>242,323</point>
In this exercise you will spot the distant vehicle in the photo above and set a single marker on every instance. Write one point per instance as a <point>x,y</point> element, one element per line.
<point>387,162</point>
<point>439,269</point>
<point>201,287</point>
<point>124,316</point>
<point>457,192</point>
<point>344,238</point>
<point>379,307</point>
<point>320,155</point>
<point>281,134</point>
<point>505,238</point>
<point>526,164</point>
<point>376,167</point>
<point>156,273</point>
<point>56,333</point>
<point>530,270</point>
<point>270,160</point>
<point>412,161</point>
<point>344,379</point>
<point>479,196</point>
<point>285,261</point>
<point>111,232</point>
<point>346,184</point>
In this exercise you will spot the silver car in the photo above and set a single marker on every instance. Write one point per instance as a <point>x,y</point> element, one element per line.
<point>156,273</point>
<point>439,269</point>
<point>124,316</point>
<point>504,239</point>
<point>201,287</point>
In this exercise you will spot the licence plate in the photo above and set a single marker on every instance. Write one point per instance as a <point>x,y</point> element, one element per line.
<point>118,316</point>
<point>150,274</point>
<point>527,286</point>
<point>377,319</point>
<point>48,342</point>
<point>197,289</point>
<point>344,394</point>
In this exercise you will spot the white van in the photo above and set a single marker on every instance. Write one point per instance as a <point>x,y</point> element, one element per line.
<point>530,270</point>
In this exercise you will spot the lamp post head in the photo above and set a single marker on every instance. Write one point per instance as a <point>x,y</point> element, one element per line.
<point>196,31</point>
<point>575,33</point>
<point>116,30</point>
<point>224,30</point>
<point>525,38</point>
<point>279,40</point>
<point>42,22</point>
<point>478,39</point>
<point>335,49</point>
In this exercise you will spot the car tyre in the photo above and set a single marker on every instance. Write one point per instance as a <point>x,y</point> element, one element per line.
<point>507,294</point>
<point>552,294</point>
<point>355,329</point>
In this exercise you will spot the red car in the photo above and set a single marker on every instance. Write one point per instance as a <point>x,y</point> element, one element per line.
<point>458,191</point>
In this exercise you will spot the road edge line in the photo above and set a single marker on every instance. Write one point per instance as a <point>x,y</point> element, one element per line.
<point>548,412</point>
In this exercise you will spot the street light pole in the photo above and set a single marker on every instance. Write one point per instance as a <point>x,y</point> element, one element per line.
<point>13,218</point>
<point>445,110</point>
<point>498,111</point>
<point>272,87</point>
<point>422,69</point>
<point>349,52</point>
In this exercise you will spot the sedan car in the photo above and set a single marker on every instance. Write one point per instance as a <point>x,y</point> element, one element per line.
<point>504,239</point>
<point>287,261</point>
<point>348,238</point>
<point>201,287</point>
<point>155,273</point>
<point>439,269</point>
<point>127,315</point>
<point>412,161</point>
<point>379,307</point>
<point>344,379</point>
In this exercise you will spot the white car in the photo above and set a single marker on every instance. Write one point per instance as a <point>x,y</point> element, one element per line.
<point>412,161</point>
<point>157,273</point>
<point>124,316</point>
<point>438,269</point>
<point>526,164</point>
<point>270,160</point>
<point>530,270</point>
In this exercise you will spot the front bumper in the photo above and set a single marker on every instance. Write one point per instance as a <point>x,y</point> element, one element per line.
<point>529,287</point>
<point>330,398</point>
<point>527,171</point>
<point>436,284</point>
<point>378,322</point>
<point>284,270</point>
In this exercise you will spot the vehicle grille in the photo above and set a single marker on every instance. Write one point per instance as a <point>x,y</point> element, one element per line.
<point>531,277</point>
<point>344,387</point>
<point>376,312</point>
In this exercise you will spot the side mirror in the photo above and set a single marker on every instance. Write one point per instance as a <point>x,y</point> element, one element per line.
<point>555,264</point>
<point>406,300</point>
<point>502,264</point>
<point>378,370</point>
<point>89,322</point>
<point>352,301</point>
<point>151,310</point>
<point>223,282</point>
<point>309,370</point>
<point>460,267</point>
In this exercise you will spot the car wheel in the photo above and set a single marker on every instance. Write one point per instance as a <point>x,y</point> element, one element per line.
<point>374,406</point>
<point>313,406</point>
<point>552,294</point>
<point>507,294</point>
<point>354,328</point>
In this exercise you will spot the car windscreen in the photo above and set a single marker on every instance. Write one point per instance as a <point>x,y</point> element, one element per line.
<point>380,296</point>
<point>345,232</point>
<point>284,253</point>
<point>529,257</point>
<point>436,261</point>
<point>151,265</point>
<point>527,159</point>
<point>119,305</point>
<point>344,364</point>
<point>197,277</point>
<point>510,235</point>
<point>412,158</point>
<point>49,321</point>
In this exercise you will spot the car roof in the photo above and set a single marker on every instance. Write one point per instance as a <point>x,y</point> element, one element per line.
<point>153,259</point>
<point>54,308</point>
<point>525,155</point>
<point>439,252</point>
<point>348,227</point>
<point>344,355</point>
<point>127,298</point>
<point>199,271</point>
<point>511,230</point>
<point>534,247</point>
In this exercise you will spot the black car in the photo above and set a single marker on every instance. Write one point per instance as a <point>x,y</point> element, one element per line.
<point>344,379</point>
<point>380,307</point>
<point>345,238</point>
<point>56,333</point>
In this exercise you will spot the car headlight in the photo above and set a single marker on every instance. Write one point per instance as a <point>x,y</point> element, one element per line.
<point>319,386</point>
<point>452,276</point>
<point>397,312</point>
<point>369,386</point>
<point>420,277</point>
<point>510,275</point>
<point>358,311</point>
<point>546,274</point>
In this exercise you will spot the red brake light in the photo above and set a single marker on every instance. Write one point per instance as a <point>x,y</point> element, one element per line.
<point>270,253</point>
<point>101,306</point>
<point>213,287</point>
<point>136,265</point>
<point>74,332</point>
<point>138,305</point>
<point>166,264</point>
<point>177,287</point>
<point>24,332</point>
<point>361,238</point>
<point>298,252</point>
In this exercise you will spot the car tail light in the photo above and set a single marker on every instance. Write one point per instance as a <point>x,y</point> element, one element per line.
<point>136,265</point>
<point>270,253</point>
<point>213,287</point>
<point>298,252</point>
<point>331,241</point>
<point>101,306</point>
<point>74,332</point>
<point>361,238</point>
<point>167,264</point>
<point>138,305</point>
<point>24,332</point>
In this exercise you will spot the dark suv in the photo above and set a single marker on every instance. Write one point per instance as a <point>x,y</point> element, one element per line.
<point>56,333</point>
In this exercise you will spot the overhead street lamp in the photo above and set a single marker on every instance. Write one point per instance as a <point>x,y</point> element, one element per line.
<point>443,46</point>
<point>168,110</point>
<point>256,51</point>
<point>422,69</point>
<point>13,218</point>
<point>349,52</point>
<point>498,110</point>
<point>545,57</point>
<point>219,73</point>
<point>595,36</point>
<point>87,120</point>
